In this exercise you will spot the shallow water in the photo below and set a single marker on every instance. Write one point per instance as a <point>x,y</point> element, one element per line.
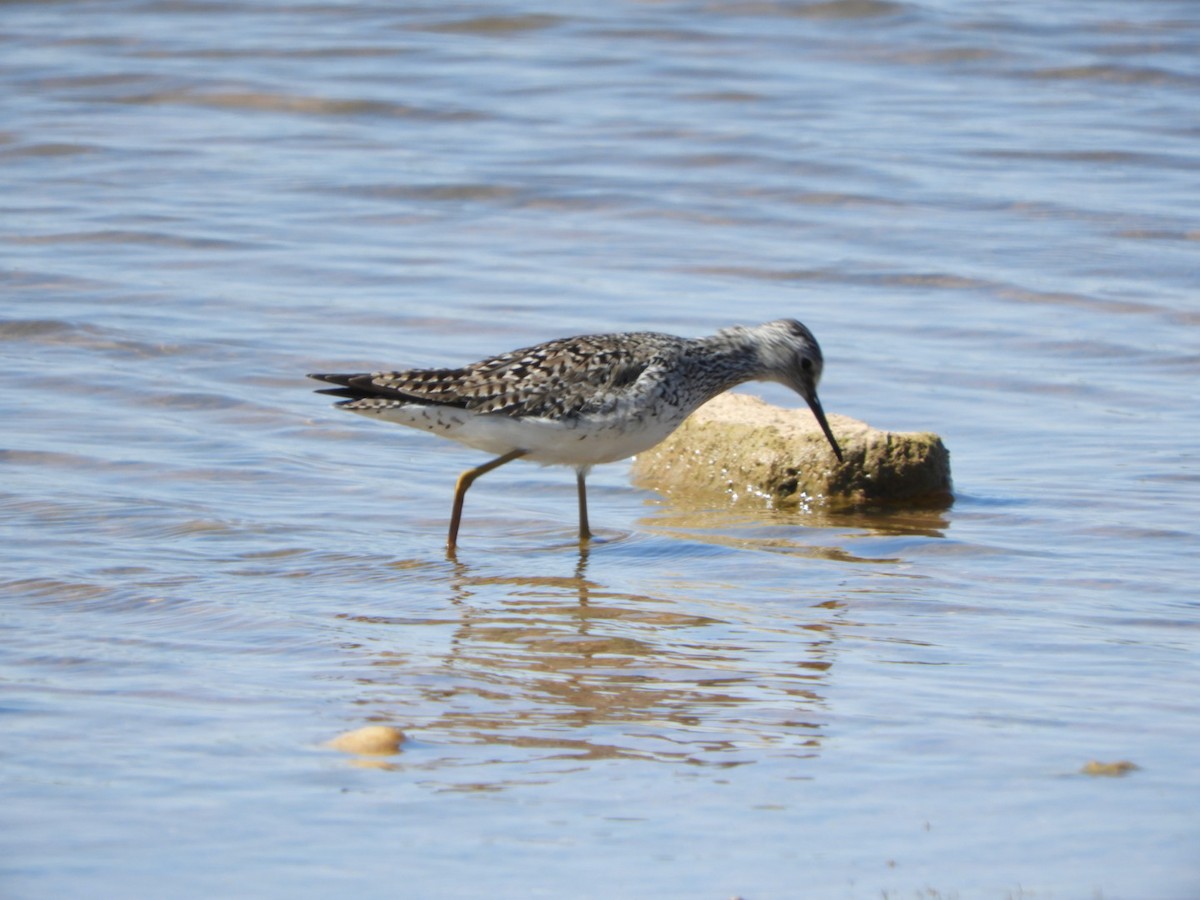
<point>986,214</point>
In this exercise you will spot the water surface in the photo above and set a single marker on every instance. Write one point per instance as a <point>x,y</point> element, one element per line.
<point>985,213</point>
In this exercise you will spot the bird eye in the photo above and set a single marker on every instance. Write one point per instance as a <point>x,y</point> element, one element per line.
<point>806,364</point>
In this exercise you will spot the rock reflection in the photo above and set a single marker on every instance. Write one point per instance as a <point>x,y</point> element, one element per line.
<point>798,533</point>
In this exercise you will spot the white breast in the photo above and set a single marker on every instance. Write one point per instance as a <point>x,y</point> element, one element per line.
<point>573,442</point>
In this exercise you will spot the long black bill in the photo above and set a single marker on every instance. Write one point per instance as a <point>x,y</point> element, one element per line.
<point>815,405</point>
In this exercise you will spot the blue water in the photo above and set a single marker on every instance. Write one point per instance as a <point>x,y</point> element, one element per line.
<point>987,215</point>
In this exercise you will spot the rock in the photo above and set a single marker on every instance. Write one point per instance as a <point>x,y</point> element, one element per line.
<point>744,450</point>
<point>373,739</point>
<point>1109,769</point>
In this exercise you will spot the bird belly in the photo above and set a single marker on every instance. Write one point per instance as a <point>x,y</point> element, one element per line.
<point>580,441</point>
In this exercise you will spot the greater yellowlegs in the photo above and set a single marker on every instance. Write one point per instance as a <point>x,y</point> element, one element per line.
<point>585,400</point>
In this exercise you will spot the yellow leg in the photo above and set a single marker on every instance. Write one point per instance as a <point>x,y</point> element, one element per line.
<point>465,480</point>
<point>584,531</point>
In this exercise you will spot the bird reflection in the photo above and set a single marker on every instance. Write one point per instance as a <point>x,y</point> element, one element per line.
<point>565,667</point>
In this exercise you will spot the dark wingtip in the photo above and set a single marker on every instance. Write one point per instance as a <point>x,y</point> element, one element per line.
<point>362,387</point>
<point>346,388</point>
<point>343,380</point>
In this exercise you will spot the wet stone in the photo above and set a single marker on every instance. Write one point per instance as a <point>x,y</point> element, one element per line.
<point>371,740</point>
<point>745,450</point>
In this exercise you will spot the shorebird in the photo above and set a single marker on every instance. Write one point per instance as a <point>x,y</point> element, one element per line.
<point>582,401</point>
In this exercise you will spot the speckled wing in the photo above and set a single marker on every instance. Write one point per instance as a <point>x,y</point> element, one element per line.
<point>557,379</point>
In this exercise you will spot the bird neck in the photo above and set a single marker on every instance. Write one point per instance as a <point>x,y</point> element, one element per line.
<point>726,359</point>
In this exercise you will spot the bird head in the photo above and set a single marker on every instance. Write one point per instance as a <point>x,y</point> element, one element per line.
<point>792,357</point>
